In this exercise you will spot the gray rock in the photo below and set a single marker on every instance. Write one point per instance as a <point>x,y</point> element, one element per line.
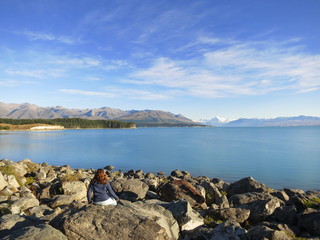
<point>77,189</point>
<point>152,195</point>
<point>41,174</point>
<point>139,174</point>
<point>181,189</point>
<point>153,183</point>
<point>150,175</point>
<point>162,216</point>
<point>227,231</point>
<point>40,211</point>
<point>293,192</point>
<point>11,180</point>
<point>7,191</point>
<point>246,185</point>
<point>281,194</point>
<point>111,222</point>
<point>132,189</point>
<point>11,222</point>
<point>234,214</point>
<point>182,211</point>
<point>109,168</point>
<point>309,219</point>
<point>73,191</point>
<point>220,184</point>
<point>38,232</point>
<point>214,196</point>
<point>261,232</point>
<point>26,202</point>
<point>286,214</point>
<point>3,182</point>
<point>62,200</point>
<point>177,173</point>
<point>261,205</point>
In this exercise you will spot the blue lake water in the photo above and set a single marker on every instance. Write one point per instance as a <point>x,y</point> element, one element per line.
<point>278,157</point>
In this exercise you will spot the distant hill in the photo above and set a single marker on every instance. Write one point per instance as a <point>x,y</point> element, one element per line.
<point>142,118</point>
<point>265,122</point>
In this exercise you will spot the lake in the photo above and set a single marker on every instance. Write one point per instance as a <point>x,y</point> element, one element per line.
<point>277,156</point>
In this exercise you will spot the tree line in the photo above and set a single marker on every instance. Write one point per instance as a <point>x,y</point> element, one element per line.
<point>71,122</point>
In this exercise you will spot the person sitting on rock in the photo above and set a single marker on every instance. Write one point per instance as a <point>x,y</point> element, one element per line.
<point>101,189</point>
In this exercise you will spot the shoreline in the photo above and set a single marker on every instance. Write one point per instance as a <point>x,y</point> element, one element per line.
<point>158,206</point>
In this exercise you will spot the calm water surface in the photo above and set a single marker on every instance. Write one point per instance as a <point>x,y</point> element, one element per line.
<point>278,157</point>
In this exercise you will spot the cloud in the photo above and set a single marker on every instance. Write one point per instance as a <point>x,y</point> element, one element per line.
<point>8,83</point>
<point>14,83</point>
<point>238,69</point>
<point>33,73</point>
<point>34,36</point>
<point>87,93</point>
<point>118,92</point>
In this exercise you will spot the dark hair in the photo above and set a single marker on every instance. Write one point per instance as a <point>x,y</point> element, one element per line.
<point>100,177</point>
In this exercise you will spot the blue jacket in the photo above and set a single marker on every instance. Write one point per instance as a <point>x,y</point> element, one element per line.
<point>100,192</point>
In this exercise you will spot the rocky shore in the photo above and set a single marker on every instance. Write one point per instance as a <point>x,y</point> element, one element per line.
<point>40,201</point>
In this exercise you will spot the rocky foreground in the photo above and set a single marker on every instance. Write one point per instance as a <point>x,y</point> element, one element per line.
<point>39,201</point>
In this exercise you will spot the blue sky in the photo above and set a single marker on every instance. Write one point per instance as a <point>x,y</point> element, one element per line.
<point>235,58</point>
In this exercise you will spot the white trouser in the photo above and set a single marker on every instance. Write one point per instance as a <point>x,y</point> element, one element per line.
<point>109,201</point>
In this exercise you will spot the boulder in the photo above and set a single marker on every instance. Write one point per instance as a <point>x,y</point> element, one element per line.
<point>246,185</point>
<point>286,214</point>
<point>25,203</point>
<point>72,191</point>
<point>11,180</point>
<point>77,189</point>
<point>261,232</point>
<point>309,220</point>
<point>3,182</point>
<point>62,200</point>
<point>132,189</point>
<point>227,230</point>
<point>213,195</point>
<point>181,189</point>
<point>177,173</point>
<point>139,174</point>
<point>220,184</point>
<point>153,183</point>
<point>281,194</point>
<point>261,205</point>
<point>162,216</point>
<point>6,208</point>
<point>11,222</point>
<point>293,192</point>
<point>150,175</point>
<point>111,222</point>
<point>41,231</point>
<point>7,191</point>
<point>41,174</point>
<point>182,211</point>
<point>109,167</point>
<point>40,211</point>
<point>234,214</point>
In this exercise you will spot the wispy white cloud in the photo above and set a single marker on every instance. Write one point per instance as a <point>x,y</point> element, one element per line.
<point>34,36</point>
<point>14,83</point>
<point>87,93</point>
<point>70,61</point>
<point>34,73</point>
<point>254,68</point>
<point>8,83</point>
<point>119,92</point>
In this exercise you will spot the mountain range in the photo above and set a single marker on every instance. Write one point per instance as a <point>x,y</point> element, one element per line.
<point>141,118</point>
<point>145,117</point>
<point>264,122</point>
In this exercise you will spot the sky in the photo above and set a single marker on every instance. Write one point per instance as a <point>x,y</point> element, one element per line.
<point>235,58</point>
